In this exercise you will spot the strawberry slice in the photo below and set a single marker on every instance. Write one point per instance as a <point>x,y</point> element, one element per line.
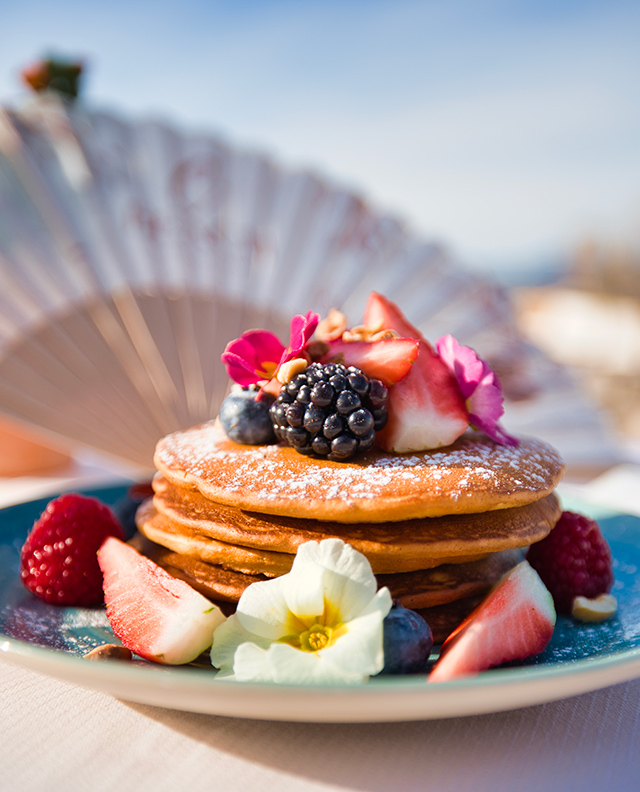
<point>389,359</point>
<point>513,622</point>
<point>155,615</point>
<point>426,408</point>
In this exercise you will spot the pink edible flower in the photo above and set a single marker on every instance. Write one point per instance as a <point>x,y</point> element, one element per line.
<point>258,354</point>
<point>479,387</point>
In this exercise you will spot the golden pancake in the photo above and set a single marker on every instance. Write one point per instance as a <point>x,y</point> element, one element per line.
<point>472,475</point>
<point>449,582</point>
<point>174,536</point>
<point>390,547</point>
<point>423,589</point>
<point>160,530</point>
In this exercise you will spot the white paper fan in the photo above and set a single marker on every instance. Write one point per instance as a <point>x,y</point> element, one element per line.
<point>131,252</point>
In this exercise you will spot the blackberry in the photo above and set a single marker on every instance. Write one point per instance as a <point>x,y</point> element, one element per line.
<point>330,410</point>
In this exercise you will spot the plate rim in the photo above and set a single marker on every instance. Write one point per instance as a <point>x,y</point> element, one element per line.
<point>138,679</point>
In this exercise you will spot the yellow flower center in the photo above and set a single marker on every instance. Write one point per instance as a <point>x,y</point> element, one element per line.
<point>268,369</point>
<point>315,638</point>
<point>313,633</point>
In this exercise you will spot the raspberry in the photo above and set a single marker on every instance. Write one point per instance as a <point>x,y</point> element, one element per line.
<point>58,562</point>
<point>573,560</point>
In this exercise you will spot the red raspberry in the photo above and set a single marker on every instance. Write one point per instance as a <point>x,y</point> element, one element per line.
<point>573,560</point>
<point>58,562</point>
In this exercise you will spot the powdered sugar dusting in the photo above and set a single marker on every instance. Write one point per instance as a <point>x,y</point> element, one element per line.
<point>272,474</point>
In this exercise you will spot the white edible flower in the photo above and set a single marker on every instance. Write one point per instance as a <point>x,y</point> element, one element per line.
<point>322,622</point>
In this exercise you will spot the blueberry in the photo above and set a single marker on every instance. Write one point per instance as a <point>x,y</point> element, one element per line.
<point>126,507</point>
<point>246,420</point>
<point>407,642</point>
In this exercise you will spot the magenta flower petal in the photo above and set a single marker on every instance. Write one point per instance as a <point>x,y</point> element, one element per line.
<point>479,386</point>
<point>253,357</point>
<point>257,354</point>
<point>302,328</point>
<point>463,362</point>
<point>238,370</point>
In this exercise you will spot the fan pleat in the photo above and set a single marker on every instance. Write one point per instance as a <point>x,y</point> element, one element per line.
<point>131,252</point>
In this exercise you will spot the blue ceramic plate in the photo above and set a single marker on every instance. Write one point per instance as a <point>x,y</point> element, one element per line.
<point>581,657</point>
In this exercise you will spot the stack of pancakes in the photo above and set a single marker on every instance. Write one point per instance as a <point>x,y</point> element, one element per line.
<point>438,527</point>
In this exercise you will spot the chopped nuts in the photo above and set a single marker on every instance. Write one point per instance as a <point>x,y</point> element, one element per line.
<point>364,333</point>
<point>109,652</point>
<point>332,326</point>
<point>288,370</point>
<point>594,610</point>
<point>382,334</point>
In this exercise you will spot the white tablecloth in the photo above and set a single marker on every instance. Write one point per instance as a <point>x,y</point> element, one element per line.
<point>59,736</point>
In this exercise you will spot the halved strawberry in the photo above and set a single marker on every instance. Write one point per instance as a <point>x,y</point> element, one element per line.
<point>389,359</point>
<point>426,408</point>
<point>155,615</point>
<point>513,622</point>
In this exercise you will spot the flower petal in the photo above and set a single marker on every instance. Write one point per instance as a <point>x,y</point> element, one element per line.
<point>462,361</point>
<point>293,666</point>
<point>252,664</point>
<point>360,649</point>
<point>263,610</point>
<point>302,328</point>
<point>479,386</point>
<point>252,357</point>
<point>227,637</point>
<point>304,591</point>
<point>349,584</point>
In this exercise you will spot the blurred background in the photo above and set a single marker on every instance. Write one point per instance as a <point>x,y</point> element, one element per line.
<point>508,130</point>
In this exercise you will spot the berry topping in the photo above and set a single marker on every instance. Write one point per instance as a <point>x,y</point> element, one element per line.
<point>330,410</point>
<point>426,408</point>
<point>58,561</point>
<point>573,560</point>
<point>245,417</point>
<point>155,615</point>
<point>388,360</point>
<point>407,641</point>
<point>514,621</point>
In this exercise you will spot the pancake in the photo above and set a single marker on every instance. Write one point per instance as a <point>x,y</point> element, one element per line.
<point>160,530</point>
<point>390,547</point>
<point>472,475</point>
<point>443,619</point>
<point>174,536</point>
<point>422,589</point>
<point>449,582</point>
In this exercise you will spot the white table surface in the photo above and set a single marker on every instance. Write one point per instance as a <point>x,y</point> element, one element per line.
<point>59,736</point>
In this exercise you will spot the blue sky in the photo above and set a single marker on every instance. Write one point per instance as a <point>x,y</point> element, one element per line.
<point>510,130</point>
